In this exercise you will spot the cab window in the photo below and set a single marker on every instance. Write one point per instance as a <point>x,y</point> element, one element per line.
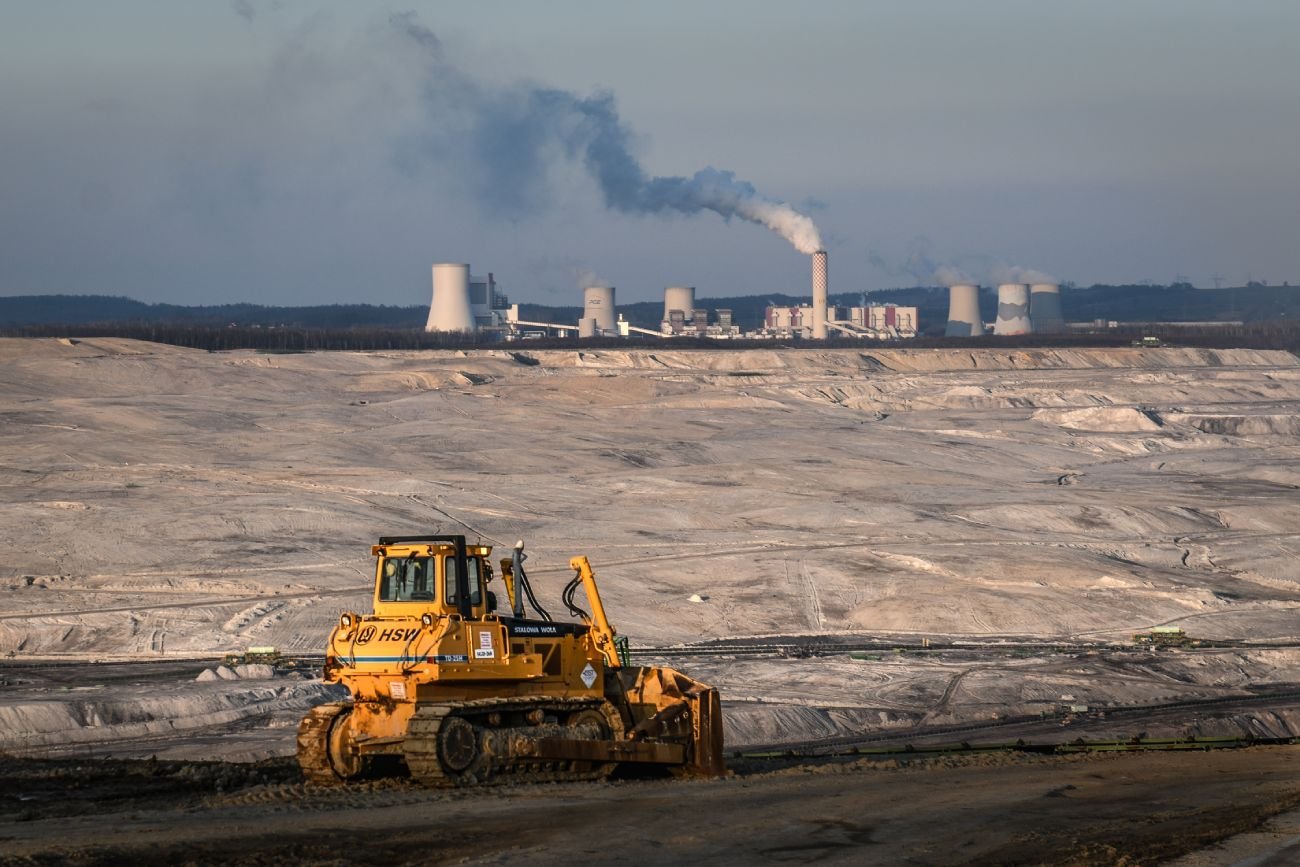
<point>406,579</point>
<point>475,588</point>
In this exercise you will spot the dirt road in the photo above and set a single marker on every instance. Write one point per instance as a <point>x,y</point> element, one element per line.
<point>1118,808</point>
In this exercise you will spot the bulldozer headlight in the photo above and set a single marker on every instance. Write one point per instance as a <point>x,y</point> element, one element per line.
<point>427,619</point>
<point>346,621</point>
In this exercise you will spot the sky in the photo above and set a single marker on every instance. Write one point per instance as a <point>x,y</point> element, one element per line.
<point>279,152</point>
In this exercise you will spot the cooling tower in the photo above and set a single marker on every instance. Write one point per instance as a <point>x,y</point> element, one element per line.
<point>1013,309</point>
<point>819,292</point>
<point>450,309</point>
<point>1045,308</point>
<point>679,298</point>
<point>964,311</point>
<point>598,304</point>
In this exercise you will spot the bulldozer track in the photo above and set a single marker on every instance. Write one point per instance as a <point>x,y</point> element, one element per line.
<point>313,743</point>
<point>426,749</point>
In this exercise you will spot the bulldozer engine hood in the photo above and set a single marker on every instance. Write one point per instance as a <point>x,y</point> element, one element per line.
<point>398,644</point>
<point>533,628</point>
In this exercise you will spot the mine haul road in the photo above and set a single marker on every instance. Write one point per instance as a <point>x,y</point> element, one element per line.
<point>988,809</point>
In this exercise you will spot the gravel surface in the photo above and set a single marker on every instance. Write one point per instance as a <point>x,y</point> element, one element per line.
<point>1091,810</point>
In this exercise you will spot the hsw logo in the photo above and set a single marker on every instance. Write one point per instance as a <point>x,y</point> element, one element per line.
<point>398,634</point>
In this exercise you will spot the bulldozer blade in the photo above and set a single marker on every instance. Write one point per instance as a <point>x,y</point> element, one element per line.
<point>670,707</point>
<point>706,749</point>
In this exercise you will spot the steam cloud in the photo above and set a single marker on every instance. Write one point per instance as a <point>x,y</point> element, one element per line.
<point>1018,274</point>
<point>519,131</point>
<point>922,267</point>
<point>926,270</point>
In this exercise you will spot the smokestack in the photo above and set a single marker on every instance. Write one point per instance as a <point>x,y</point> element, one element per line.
<point>450,309</point>
<point>964,311</point>
<point>1045,308</point>
<point>1013,309</point>
<point>598,304</point>
<point>819,293</point>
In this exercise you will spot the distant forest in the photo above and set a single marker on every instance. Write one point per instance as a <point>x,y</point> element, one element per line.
<point>1270,317</point>
<point>1254,303</point>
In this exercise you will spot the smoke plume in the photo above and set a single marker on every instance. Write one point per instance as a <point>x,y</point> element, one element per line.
<point>519,131</point>
<point>408,23</point>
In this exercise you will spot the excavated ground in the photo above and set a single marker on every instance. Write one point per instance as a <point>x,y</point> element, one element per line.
<point>162,504</point>
<point>1095,810</point>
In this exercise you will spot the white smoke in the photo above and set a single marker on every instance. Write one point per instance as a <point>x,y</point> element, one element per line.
<point>719,191</point>
<point>586,277</point>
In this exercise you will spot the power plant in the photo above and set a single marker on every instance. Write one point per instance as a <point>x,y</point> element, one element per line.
<point>463,303</point>
<point>450,309</point>
<point>964,311</point>
<point>680,299</point>
<point>1013,309</point>
<point>1022,309</point>
<point>598,310</point>
<point>1045,308</point>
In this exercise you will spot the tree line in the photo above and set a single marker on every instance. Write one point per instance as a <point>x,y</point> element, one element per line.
<point>1284,335</point>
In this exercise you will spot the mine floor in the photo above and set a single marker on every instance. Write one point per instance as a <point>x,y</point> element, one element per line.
<point>1077,810</point>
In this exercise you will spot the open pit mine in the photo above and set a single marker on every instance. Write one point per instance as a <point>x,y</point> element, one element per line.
<point>886,562</point>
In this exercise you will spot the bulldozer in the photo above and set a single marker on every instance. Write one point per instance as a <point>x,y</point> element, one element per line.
<point>455,693</point>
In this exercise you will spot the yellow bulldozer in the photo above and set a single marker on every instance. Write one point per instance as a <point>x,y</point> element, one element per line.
<point>461,694</point>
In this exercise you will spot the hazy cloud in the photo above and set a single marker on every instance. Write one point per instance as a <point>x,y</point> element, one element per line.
<point>244,9</point>
<point>408,22</point>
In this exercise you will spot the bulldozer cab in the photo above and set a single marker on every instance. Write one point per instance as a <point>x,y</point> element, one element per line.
<point>438,574</point>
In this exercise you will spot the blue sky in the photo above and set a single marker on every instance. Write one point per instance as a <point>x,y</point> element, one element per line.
<point>293,153</point>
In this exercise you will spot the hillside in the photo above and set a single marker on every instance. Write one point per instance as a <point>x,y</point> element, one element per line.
<point>1048,494</point>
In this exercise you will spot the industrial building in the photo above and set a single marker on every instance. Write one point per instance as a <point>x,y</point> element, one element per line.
<point>465,304</point>
<point>1013,309</point>
<point>1022,309</point>
<point>1045,313</point>
<point>597,312</point>
<point>964,311</point>
<point>882,321</point>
